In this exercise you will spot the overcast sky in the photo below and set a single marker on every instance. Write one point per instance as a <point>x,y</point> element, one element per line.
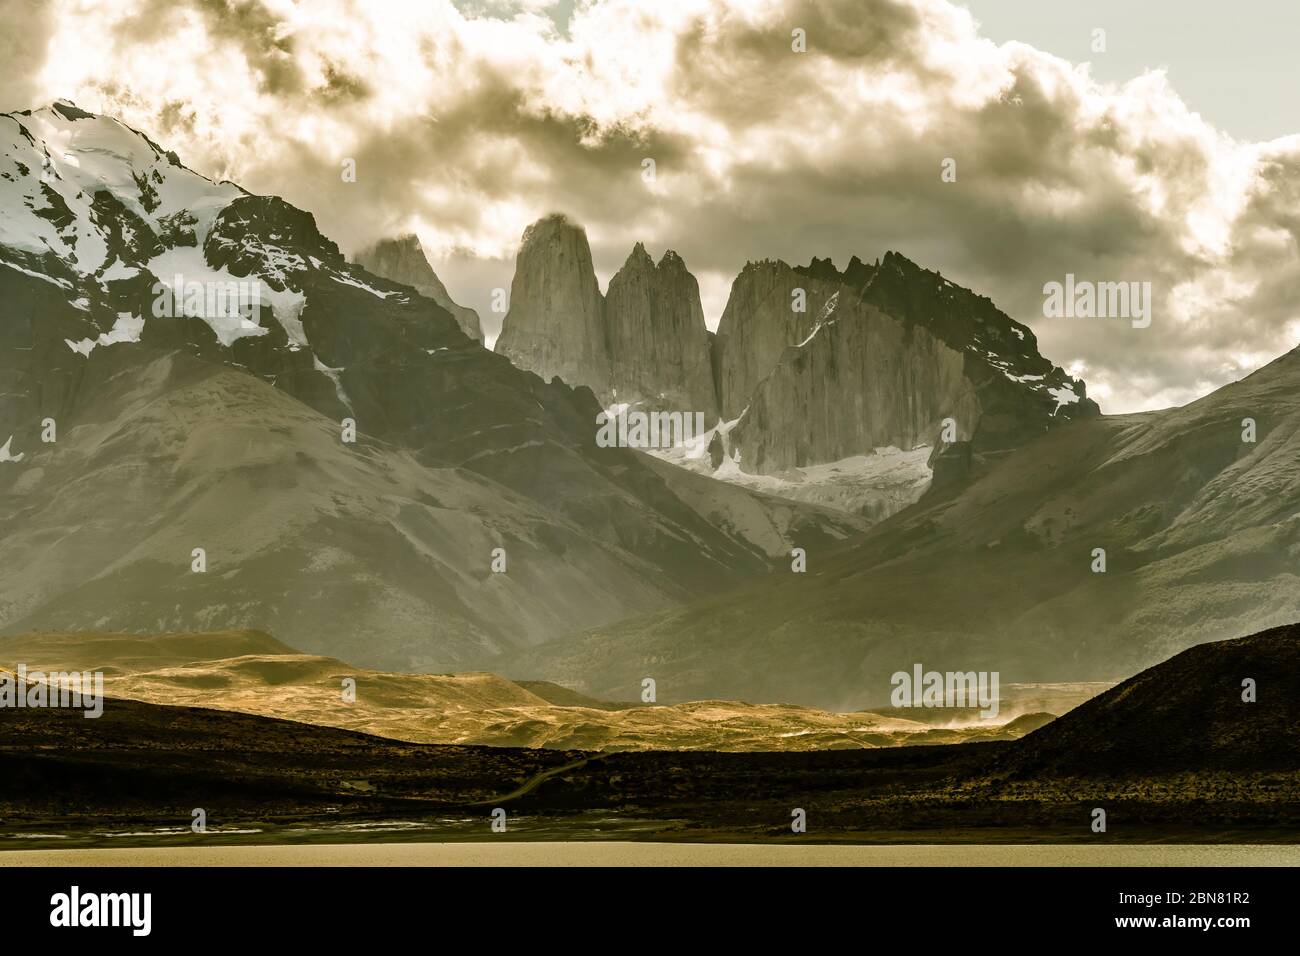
<point>1166,157</point>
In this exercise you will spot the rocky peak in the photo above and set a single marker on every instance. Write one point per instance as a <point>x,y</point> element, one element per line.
<point>658,342</point>
<point>812,363</point>
<point>254,230</point>
<point>644,342</point>
<point>403,260</point>
<point>881,356</point>
<point>638,258</point>
<point>823,269</point>
<point>670,260</point>
<point>855,275</point>
<point>999,349</point>
<point>556,322</point>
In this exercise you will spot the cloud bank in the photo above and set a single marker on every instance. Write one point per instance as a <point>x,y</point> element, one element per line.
<point>466,125</point>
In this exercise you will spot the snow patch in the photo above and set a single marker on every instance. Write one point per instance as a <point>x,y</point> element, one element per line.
<point>333,375</point>
<point>127,328</point>
<point>70,161</point>
<point>823,318</point>
<point>117,271</point>
<point>7,455</point>
<point>348,280</point>
<point>875,485</point>
<point>61,283</point>
<point>183,266</point>
<point>1063,396</point>
<point>288,306</point>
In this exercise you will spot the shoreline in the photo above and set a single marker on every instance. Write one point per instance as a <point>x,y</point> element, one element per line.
<point>627,853</point>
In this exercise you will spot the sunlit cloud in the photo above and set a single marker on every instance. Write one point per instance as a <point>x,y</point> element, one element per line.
<point>467,122</point>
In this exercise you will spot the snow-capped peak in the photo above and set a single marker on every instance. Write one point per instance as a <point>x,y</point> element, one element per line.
<point>66,175</point>
<point>86,202</point>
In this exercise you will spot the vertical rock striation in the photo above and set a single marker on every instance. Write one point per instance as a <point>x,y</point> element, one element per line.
<point>556,322</point>
<point>658,343</point>
<point>881,356</point>
<point>812,364</point>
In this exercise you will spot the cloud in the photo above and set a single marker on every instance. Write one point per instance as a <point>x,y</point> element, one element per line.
<point>466,126</point>
<point>24,39</point>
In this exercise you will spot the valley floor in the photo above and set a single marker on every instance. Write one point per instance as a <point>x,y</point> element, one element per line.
<point>1168,758</point>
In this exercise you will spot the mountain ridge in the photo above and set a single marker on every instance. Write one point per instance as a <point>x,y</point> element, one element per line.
<point>809,365</point>
<point>202,351</point>
<point>1200,531</point>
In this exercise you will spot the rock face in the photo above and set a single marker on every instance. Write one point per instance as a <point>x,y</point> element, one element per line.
<point>759,323</point>
<point>819,365</point>
<point>863,382</point>
<point>810,365</point>
<point>658,344</point>
<point>556,322</point>
<point>643,344</point>
<point>402,260</point>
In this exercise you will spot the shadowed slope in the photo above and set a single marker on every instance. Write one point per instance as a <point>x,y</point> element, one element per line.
<point>1185,714</point>
<point>1202,538</point>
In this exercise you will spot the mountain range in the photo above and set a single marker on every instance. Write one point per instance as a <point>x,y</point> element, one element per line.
<point>819,385</point>
<point>212,419</point>
<point>224,429</point>
<point>1200,529</point>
